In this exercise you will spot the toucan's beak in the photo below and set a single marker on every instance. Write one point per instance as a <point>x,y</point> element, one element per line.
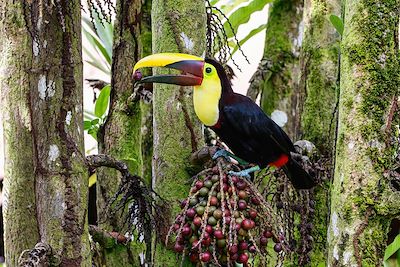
<point>191,67</point>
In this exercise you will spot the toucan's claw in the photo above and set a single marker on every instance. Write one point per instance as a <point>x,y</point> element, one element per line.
<point>245,173</point>
<point>222,153</point>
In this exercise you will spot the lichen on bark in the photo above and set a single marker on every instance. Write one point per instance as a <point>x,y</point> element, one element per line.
<point>174,134</point>
<point>363,201</point>
<point>49,79</point>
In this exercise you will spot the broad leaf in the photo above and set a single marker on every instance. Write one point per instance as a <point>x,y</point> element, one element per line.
<point>392,248</point>
<point>337,23</point>
<point>102,101</point>
<point>99,46</point>
<point>231,5</point>
<point>87,125</point>
<point>242,15</point>
<point>95,121</point>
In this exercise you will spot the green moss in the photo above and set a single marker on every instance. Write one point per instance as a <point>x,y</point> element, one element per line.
<point>172,139</point>
<point>282,23</point>
<point>369,81</point>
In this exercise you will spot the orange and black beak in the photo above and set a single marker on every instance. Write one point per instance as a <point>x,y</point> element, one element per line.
<point>190,66</point>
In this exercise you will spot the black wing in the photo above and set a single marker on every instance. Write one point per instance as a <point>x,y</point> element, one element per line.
<point>248,119</point>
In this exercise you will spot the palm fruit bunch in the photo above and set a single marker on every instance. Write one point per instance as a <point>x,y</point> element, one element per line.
<point>225,220</point>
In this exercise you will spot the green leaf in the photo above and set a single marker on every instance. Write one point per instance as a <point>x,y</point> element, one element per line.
<point>231,5</point>
<point>94,122</point>
<point>248,37</point>
<point>98,45</point>
<point>242,15</point>
<point>102,101</point>
<point>337,23</point>
<point>87,125</point>
<point>98,66</point>
<point>88,115</point>
<point>392,248</point>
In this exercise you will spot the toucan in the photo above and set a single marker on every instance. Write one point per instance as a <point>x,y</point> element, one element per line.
<point>236,119</point>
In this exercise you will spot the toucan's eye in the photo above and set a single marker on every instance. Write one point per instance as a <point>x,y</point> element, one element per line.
<point>208,70</point>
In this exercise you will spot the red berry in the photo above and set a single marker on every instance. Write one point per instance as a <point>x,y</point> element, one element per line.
<point>233,249</point>
<point>213,201</point>
<point>267,234</point>
<point>209,229</point>
<point>263,241</point>
<point>242,205</point>
<point>253,213</point>
<point>235,179</point>
<point>237,227</point>
<point>241,185</point>
<point>218,234</point>
<point>199,185</point>
<point>191,213</point>
<point>197,221</point>
<point>205,256</point>
<point>178,247</point>
<point>137,76</point>
<point>228,220</point>
<point>243,258</point>
<point>186,231</point>
<point>243,245</point>
<point>247,224</point>
<point>225,187</point>
<point>206,241</point>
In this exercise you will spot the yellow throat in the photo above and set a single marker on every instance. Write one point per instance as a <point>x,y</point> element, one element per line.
<point>207,95</point>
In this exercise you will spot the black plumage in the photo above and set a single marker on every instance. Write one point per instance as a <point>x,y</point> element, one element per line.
<point>253,136</point>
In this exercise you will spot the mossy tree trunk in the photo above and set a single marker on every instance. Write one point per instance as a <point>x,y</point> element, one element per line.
<point>124,131</point>
<point>364,195</point>
<point>41,89</point>
<point>319,61</point>
<point>300,78</point>
<point>178,26</point>
<point>278,76</point>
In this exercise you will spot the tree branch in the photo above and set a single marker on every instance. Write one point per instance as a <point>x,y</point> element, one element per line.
<point>102,160</point>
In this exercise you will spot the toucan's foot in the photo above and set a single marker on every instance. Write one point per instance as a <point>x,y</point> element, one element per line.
<point>228,155</point>
<point>222,153</point>
<point>245,173</point>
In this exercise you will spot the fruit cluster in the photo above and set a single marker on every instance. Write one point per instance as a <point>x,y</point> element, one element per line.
<point>224,220</point>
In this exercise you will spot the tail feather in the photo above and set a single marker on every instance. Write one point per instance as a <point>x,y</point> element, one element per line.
<point>298,176</point>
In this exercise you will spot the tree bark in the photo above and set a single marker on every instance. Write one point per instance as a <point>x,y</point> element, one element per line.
<point>123,133</point>
<point>19,203</point>
<point>300,78</point>
<point>317,100</point>
<point>178,26</point>
<point>41,87</point>
<point>364,195</point>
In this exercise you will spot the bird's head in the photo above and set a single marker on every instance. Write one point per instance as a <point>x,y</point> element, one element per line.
<point>194,70</point>
<point>207,77</point>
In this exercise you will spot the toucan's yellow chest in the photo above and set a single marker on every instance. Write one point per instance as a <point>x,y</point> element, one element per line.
<point>206,99</point>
